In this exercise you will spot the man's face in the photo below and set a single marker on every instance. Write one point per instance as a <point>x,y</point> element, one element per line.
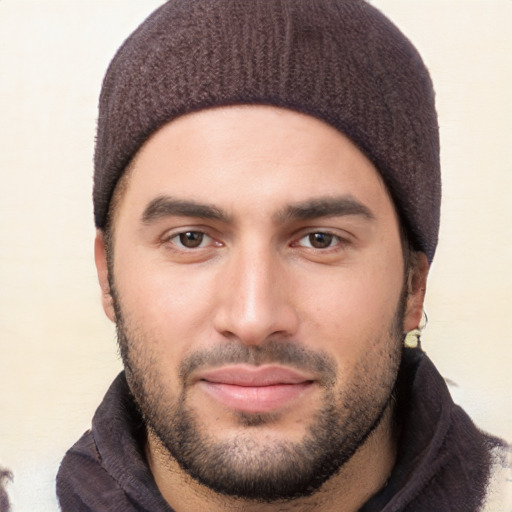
<point>257,276</point>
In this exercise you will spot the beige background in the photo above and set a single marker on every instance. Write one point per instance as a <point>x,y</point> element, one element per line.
<point>58,352</point>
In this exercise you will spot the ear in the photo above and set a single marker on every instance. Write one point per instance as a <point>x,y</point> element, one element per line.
<point>100,257</point>
<point>416,288</point>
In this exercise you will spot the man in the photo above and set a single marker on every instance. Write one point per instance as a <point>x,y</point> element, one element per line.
<point>267,197</point>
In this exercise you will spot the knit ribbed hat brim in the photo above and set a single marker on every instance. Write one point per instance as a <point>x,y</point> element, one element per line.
<point>339,60</point>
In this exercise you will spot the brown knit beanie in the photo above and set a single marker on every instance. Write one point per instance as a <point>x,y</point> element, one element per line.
<point>341,61</point>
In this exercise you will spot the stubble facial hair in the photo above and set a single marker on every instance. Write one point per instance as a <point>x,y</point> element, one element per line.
<point>242,467</point>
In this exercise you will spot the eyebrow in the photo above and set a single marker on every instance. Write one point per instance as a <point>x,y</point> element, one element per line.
<point>325,207</point>
<point>165,206</point>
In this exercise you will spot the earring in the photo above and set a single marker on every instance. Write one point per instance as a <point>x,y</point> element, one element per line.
<point>413,338</point>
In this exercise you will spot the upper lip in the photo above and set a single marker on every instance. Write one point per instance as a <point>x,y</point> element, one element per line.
<point>254,376</point>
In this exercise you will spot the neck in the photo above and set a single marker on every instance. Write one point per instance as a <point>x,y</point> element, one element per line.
<point>359,479</point>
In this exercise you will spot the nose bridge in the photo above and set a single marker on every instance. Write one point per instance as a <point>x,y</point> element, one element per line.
<point>255,304</point>
<point>257,278</point>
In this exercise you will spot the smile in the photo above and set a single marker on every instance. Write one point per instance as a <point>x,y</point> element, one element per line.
<point>254,389</point>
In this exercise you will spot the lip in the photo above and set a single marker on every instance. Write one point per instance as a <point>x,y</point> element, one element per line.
<point>254,389</point>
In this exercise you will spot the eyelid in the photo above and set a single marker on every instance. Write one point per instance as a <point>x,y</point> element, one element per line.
<point>176,240</point>
<point>335,238</point>
<point>169,235</point>
<point>343,239</point>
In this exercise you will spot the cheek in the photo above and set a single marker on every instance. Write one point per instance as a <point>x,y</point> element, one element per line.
<point>353,311</point>
<point>167,308</point>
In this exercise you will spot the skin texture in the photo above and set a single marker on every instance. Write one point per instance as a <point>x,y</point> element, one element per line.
<point>259,238</point>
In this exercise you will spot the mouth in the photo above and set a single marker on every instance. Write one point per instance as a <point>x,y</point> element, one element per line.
<point>253,389</point>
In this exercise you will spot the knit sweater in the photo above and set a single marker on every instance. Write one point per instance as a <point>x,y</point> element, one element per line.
<point>444,463</point>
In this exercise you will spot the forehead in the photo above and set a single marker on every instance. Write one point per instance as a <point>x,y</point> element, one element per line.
<point>249,157</point>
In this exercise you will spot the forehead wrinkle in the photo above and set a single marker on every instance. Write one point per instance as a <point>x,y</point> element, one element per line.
<point>165,206</point>
<point>324,207</point>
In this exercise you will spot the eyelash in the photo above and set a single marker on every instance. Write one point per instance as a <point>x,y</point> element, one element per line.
<point>331,237</point>
<point>179,237</point>
<point>334,241</point>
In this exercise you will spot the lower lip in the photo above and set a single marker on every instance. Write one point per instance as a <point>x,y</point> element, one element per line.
<point>255,399</point>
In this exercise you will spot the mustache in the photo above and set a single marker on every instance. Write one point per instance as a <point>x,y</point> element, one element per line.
<point>286,353</point>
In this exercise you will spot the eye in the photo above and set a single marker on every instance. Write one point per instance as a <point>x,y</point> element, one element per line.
<point>191,240</point>
<point>319,240</point>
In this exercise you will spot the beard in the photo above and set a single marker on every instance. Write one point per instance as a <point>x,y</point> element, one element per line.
<point>253,467</point>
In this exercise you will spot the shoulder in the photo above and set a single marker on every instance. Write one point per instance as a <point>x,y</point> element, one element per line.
<point>83,484</point>
<point>499,491</point>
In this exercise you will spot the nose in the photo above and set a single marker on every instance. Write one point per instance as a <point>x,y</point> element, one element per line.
<point>256,300</point>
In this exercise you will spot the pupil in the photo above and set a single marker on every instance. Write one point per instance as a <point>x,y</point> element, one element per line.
<point>191,239</point>
<point>320,240</point>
